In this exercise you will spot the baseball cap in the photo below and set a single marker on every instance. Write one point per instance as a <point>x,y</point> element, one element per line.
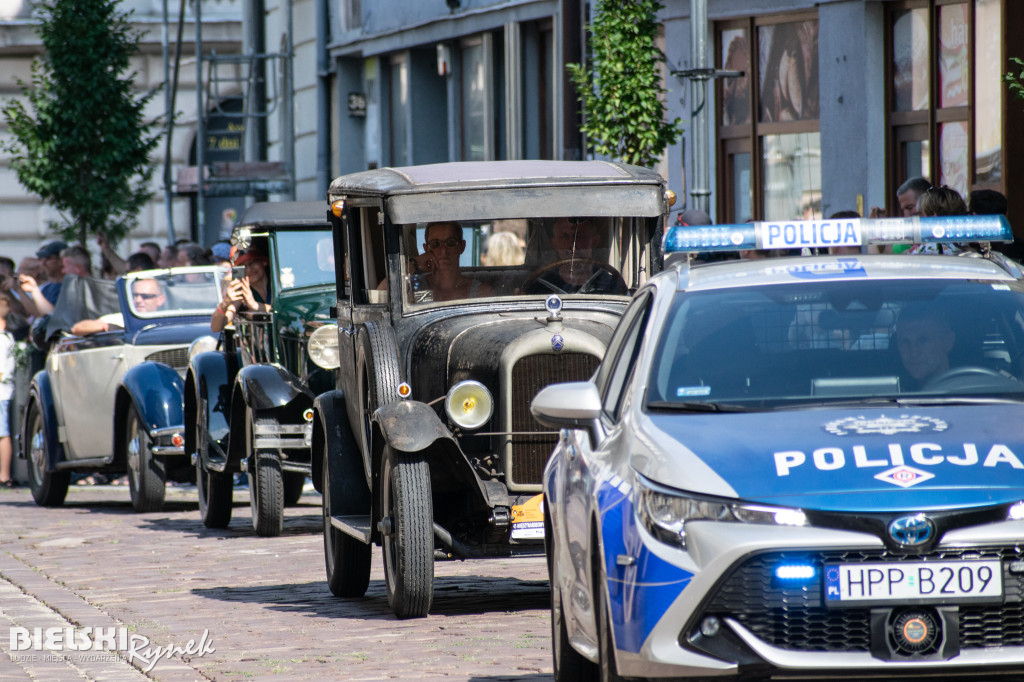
<point>694,216</point>
<point>50,248</point>
<point>251,254</point>
<point>222,251</point>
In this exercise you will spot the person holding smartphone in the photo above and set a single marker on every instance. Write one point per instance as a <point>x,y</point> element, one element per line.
<point>246,290</point>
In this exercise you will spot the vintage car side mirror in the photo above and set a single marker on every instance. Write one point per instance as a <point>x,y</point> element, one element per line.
<point>575,405</point>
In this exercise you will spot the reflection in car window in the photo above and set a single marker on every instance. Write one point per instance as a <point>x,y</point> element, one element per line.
<point>169,293</point>
<point>785,344</point>
<point>469,259</point>
<point>304,258</point>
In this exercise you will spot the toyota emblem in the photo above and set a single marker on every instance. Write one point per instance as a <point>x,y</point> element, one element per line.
<point>911,531</point>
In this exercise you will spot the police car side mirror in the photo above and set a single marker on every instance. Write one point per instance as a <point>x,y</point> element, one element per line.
<point>575,405</point>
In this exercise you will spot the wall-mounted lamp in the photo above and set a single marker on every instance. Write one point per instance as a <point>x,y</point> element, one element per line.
<point>444,60</point>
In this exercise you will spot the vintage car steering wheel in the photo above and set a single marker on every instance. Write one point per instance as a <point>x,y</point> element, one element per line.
<point>600,265</point>
<point>961,372</point>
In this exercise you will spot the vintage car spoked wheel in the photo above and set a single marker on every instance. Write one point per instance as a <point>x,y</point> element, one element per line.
<point>294,482</point>
<point>266,484</point>
<point>600,265</point>
<point>146,474</point>
<point>347,559</point>
<point>48,488</point>
<point>407,530</point>
<point>214,488</point>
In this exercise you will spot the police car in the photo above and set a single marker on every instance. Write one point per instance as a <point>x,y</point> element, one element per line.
<point>797,466</point>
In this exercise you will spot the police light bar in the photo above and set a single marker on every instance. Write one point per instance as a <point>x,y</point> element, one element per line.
<point>799,234</point>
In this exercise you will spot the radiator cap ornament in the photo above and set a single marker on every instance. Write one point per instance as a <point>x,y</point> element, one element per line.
<point>553,304</point>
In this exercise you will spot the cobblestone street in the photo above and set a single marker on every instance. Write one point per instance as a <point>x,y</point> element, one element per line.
<point>264,601</point>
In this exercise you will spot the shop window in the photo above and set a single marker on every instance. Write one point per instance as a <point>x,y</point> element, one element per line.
<point>768,135</point>
<point>944,60</point>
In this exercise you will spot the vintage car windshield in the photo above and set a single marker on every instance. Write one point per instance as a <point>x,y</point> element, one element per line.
<point>304,258</point>
<point>470,259</point>
<point>875,341</point>
<point>173,293</point>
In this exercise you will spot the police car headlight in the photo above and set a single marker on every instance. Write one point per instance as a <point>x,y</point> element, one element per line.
<point>323,347</point>
<point>201,345</point>
<point>665,513</point>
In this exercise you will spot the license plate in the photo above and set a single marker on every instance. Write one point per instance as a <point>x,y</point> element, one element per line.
<point>917,581</point>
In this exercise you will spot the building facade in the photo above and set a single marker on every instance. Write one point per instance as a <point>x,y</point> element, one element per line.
<point>26,216</point>
<point>837,102</point>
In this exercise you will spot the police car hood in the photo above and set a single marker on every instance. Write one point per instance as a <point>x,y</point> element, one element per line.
<point>868,460</point>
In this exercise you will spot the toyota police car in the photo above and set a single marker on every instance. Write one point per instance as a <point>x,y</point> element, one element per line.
<point>797,466</point>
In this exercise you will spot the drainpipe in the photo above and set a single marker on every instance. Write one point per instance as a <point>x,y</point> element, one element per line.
<point>700,190</point>
<point>324,104</point>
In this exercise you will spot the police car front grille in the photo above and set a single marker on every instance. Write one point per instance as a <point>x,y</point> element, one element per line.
<point>529,375</point>
<point>175,357</point>
<point>796,618</point>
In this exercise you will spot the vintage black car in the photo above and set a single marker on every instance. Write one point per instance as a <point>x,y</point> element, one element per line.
<point>249,402</point>
<point>111,401</point>
<point>427,445</point>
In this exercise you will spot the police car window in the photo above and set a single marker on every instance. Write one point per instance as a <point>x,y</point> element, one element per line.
<point>779,345</point>
<point>625,355</point>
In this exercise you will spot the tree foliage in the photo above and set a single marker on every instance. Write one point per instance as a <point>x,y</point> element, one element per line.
<point>620,88</point>
<point>82,142</point>
<point>1015,81</point>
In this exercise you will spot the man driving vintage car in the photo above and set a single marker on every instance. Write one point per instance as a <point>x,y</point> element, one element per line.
<point>576,268</point>
<point>147,297</point>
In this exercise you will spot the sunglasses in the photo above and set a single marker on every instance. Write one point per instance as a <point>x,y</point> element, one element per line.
<point>451,243</point>
<point>145,297</point>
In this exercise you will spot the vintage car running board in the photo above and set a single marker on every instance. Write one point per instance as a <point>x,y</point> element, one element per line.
<point>356,526</point>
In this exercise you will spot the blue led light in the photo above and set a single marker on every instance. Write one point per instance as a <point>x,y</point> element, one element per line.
<point>795,571</point>
<point>800,234</point>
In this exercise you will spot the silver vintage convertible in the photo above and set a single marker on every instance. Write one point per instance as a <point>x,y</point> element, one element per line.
<point>111,401</point>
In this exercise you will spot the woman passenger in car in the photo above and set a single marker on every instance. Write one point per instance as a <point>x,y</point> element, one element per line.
<point>251,292</point>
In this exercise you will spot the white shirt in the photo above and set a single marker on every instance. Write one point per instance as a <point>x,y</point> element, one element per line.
<point>6,365</point>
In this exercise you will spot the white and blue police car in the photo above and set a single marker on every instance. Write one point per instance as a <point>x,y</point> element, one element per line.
<point>798,466</point>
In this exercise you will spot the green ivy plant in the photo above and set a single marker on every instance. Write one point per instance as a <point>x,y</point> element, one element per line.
<point>1016,81</point>
<point>620,87</point>
<point>79,138</point>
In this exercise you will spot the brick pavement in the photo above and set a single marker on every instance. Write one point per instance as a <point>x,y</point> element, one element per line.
<point>264,601</point>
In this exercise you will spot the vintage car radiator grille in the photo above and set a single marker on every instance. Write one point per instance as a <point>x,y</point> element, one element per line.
<point>529,375</point>
<point>796,618</point>
<point>175,357</point>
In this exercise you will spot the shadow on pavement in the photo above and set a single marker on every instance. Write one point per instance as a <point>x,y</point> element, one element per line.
<point>241,526</point>
<point>453,595</point>
<point>529,677</point>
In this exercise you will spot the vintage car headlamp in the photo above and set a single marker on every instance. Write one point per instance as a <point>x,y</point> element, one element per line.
<point>323,347</point>
<point>201,345</point>
<point>469,404</point>
<point>665,513</point>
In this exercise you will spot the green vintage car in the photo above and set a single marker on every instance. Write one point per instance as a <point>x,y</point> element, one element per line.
<point>248,400</point>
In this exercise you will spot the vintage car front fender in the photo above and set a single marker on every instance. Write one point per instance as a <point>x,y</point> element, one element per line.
<point>42,393</point>
<point>156,390</point>
<point>268,387</point>
<point>332,436</point>
<point>413,426</point>
<point>208,387</point>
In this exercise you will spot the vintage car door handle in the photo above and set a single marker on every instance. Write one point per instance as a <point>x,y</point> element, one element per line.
<point>117,356</point>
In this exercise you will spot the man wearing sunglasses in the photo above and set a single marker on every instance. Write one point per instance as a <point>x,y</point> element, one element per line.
<point>147,297</point>
<point>439,264</point>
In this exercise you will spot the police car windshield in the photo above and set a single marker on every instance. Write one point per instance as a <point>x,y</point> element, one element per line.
<point>840,342</point>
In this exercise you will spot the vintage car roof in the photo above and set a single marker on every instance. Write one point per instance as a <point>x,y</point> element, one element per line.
<point>285,213</point>
<point>494,189</point>
<point>813,269</point>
